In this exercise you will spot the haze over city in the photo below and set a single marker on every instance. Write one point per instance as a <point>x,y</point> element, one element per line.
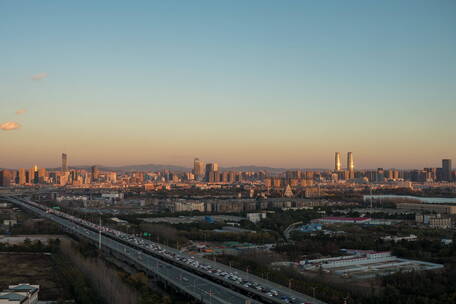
<point>228,152</point>
<point>280,84</point>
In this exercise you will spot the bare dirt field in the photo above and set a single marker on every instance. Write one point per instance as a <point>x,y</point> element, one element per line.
<point>33,268</point>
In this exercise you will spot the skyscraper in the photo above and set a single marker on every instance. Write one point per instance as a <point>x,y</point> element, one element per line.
<point>446,170</point>
<point>64,162</point>
<point>337,162</point>
<point>211,172</point>
<point>42,174</point>
<point>198,168</point>
<point>6,178</point>
<point>95,173</point>
<point>21,177</point>
<point>350,165</point>
<point>33,175</point>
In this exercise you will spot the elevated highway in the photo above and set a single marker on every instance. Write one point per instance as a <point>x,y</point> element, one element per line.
<point>204,280</point>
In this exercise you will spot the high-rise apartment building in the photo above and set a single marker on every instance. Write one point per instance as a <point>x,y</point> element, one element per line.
<point>198,168</point>
<point>64,162</point>
<point>95,173</point>
<point>33,175</point>
<point>42,174</point>
<point>21,177</point>
<point>232,177</point>
<point>6,178</point>
<point>337,162</point>
<point>30,176</point>
<point>446,170</point>
<point>293,174</point>
<point>211,172</point>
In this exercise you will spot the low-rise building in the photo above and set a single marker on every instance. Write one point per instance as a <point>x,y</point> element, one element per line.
<point>342,220</point>
<point>20,294</point>
<point>310,227</point>
<point>434,220</point>
<point>443,209</point>
<point>9,222</point>
<point>396,239</point>
<point>256,217</point>
<point>188,206</point>
<point>441,223</point>
<point>363,264</point>
<point>446,241</point>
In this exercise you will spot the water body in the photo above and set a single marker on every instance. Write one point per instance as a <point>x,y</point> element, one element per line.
<point>423,199</point>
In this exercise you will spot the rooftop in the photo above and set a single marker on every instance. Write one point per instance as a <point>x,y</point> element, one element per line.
<point>23,287</point>
<point>335,218</point>
<point>12,296</point>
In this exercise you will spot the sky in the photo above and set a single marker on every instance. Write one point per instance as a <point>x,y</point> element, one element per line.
<point>268,83</point>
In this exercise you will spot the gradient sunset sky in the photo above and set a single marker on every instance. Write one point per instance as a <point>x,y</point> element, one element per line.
<point>276,83</point>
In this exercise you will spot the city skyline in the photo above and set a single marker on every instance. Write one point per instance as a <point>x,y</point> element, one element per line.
<point>266,84</point>
<point>200,165</point>
<point>228,152</point>
<point>212,173</point>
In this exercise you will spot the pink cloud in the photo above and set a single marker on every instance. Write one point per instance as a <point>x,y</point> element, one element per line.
<point>21,111</point>
<point>9,126</point>
<point>39,76</point>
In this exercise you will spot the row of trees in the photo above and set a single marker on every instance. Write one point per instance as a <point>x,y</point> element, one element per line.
<point>31,246</point>
<point>425,287</point>
<point>75,282</point>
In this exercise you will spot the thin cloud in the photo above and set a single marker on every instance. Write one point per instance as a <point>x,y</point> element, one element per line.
<point>39,76</point>
<point>21,111</point>
<point>9,126</point>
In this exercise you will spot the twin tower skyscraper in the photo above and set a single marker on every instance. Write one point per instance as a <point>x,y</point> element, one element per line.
<point>338,162</point>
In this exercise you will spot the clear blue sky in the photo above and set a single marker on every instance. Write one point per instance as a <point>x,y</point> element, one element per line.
<point>279,83</point>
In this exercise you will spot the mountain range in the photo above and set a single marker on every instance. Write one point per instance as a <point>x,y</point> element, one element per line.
<point>174,168</point>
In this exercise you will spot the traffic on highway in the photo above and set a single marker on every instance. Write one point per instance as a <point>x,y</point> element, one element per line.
<point>143,250</point>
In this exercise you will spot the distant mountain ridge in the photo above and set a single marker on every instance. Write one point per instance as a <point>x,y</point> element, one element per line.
<point>175,168</point>
<point>131,168</point>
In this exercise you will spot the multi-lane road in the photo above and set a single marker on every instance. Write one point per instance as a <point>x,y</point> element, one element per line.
<point>205,280</point>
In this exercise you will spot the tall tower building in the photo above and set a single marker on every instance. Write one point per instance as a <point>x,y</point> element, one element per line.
<point>95,173</point>
<point>33,175</point>
<point>42,174</point>
<point>30,175</point>
<point>211,172</point>
<point>350,165</point>
<point>337,162</point>
<point>22,177</point>
<point>64,162</point>
<point>198,168</point>
<point>446,170</point>
<point>6,178</point>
